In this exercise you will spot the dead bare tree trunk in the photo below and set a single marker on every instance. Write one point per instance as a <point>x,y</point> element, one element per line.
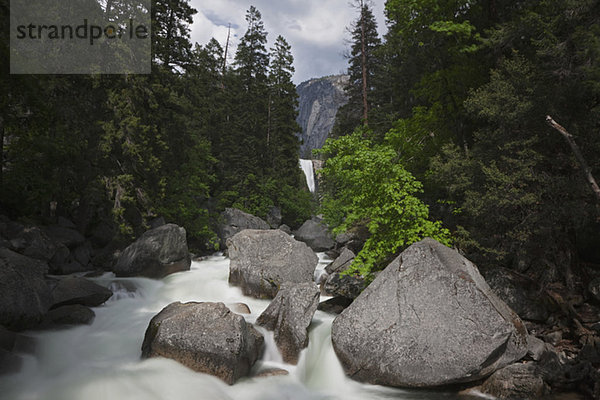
<point>584,166</point>
<point>226,50</point>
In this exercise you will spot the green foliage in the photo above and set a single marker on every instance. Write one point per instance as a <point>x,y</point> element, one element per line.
<point>368,185</point>
<point>460,98</point>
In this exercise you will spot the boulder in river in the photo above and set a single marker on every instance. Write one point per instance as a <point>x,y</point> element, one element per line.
<point>79,291</point>
<point>24,294</point>
<point>261,261</point>
<point>156,254</point>
<point>75,314</point>
<point>429,319</point>
<point>206,337</point>
<point>289,316</point>
<point>315,234</point>
<point>234,221</point>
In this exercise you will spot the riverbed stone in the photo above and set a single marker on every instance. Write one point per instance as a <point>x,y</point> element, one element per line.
<point>516,382</point>
<point>206,337</point>
<point>261,261</point>
<point>339,284</point>
<point>74,314</point>
<point>82,291</point>
<point>24,294</point>
<point>234,221</point>
<point>156,254</point>
<point>289,315</point>
<point>429,319</point>
<point>315,234</point>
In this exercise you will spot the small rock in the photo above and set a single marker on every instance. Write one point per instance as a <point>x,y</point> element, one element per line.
<point>335,305</point>
<point>157,222</point>
<point>341,285</point>
<point>234,221</point>
<point>553,337</point>
<point>342,262</point>
<point>240,308</point>
<point>67,236</point>
<point>274,217</point>
<point>34,243</point>
<point>66,223</point>
<point>286,229</point>
<point>594,289</point>
<point>79,291</point>
<point>272,372</point>
<point>83,254</point>
<point>316,235</point>
<point>289,315</point>
<point>60,260</point>
<point>156,254</point>
<point>75,314</point>
<point>535,348</point>
<point>516,382</point>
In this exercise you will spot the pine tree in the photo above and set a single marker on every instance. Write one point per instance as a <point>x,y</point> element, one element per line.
<point>363,65</point>
<point>282,142</point>
<point>171,32</point>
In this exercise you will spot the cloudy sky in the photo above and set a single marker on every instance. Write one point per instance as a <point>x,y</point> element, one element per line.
<point>316,29</point>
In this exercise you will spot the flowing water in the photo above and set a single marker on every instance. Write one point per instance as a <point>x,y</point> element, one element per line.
<point>307,168</point>
<point>102,361</point>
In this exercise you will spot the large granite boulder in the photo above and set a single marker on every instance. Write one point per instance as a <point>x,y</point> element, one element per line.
<point>24,294</point>
<point>261,261</point>
<point>156,254</point>
<point>234,221</point>
<point>73,290</point>
<point>316,235</point>
<point>206,337</point>
<point>289,316</point>
<point>428,319</point>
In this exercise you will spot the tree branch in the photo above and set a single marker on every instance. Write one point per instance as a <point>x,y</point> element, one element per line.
<point>586,169</point>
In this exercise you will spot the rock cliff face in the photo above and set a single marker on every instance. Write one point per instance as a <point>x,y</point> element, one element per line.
<point>319,101</point>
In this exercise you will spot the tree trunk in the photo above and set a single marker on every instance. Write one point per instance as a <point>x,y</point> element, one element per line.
<point>364,65</point>
<point>584,166</point>
<point>226,50</point>
<point>1,153</point>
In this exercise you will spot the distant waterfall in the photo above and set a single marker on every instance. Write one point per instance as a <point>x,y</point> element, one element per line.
<point>307,168</point>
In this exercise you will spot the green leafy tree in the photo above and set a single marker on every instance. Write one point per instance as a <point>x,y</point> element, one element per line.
<point>368,186</point>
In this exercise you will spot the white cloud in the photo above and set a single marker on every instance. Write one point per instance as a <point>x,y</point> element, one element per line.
<point>316,29</point>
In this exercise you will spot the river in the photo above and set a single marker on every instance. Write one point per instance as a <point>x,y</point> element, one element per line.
<point>102,361</point>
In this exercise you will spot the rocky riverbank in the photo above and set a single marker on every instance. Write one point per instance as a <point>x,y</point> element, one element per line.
<point>429,320</point>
